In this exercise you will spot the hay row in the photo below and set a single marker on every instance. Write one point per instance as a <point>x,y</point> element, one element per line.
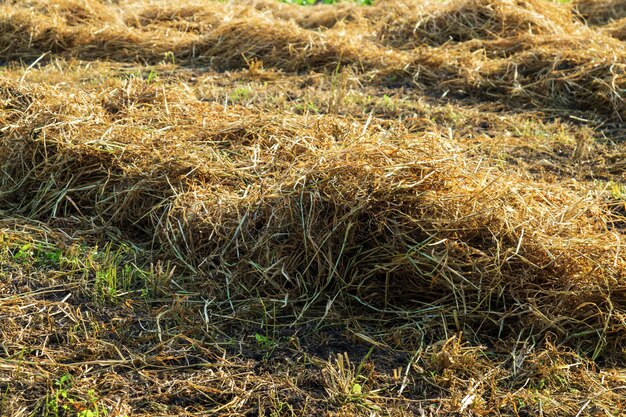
<point>522,53</point>
<point>304,207</point>
<point>600,12</point>
<point>464,20</point>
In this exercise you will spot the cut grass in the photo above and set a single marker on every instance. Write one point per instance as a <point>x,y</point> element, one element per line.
<point>314,2</point>
<point>320,210</point>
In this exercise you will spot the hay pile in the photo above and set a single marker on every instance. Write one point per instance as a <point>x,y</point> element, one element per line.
<point>567,73</point>
<point>616,29</point>
<point>303,207</point>
<point>213,202</point>
<point>600,12</point>
<point>463,20</point>
<point>523,53</point>
<point>211,33</point>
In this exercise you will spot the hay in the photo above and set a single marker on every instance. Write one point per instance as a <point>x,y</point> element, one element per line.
<point>254,208</point>
<point>465,20</point>
<point>27,33</point>
<point>315,17</point>
<point>305,206</point>
<point>577,72</point>
<point>600,12</point>
<point>616,29</point>
<point>524,54</point>
<point>285,46</point>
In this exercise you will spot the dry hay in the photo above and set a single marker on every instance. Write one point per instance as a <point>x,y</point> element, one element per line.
<point>307,206</point>
<point>426,229</point>
<point>616,29</point>
<point>150,34</point>
<point>184,18</point>
<point>28,33</point>
<point>314,17</point>
<point>464,20</point>
<point>600,12</point>
<point>525,54</point>
<point>582,72</point>
<point>286,46</point>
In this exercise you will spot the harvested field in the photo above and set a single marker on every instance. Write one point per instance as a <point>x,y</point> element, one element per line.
<point>257,208</point>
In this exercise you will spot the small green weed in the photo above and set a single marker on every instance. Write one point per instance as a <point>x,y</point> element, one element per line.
<point>152,76</point>
<point>265,342</point>
<point>61,403</point>
<point>39,254</point>
<point>240,94</point>
<point>117,274</point>
<point>345,381</point>
<point>169,58</point>
<point>617,190</point>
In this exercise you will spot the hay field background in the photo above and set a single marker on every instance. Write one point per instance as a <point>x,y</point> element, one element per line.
<point>254,208</point>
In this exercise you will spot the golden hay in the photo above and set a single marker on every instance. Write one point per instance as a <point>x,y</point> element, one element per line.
<point>285,46</point>
<point>207,203</point>
<point>600,12</point>
<point>582,72</point>
<point>524,54</point>
<point>464,20</point>
<point>308,205</point>
<point>314,17</point>
<point>616,29</point>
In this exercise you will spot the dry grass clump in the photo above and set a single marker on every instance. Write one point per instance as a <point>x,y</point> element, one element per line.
<point>582,73</point>
<point>572,73</point>
<point>294,215</point>
<point>600,12</point>
<point>286,46</point>
<point>314,17</point>
<point>184,18</point>
<point>302,207</point>
<point>616,29</point>
<point>464,20</point>
<point>73,12</point>
<point>150,33</point>
<point>525,54</point>
<point>27,33</point>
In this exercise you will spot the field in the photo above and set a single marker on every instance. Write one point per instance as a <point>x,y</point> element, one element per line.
<point>256,208</point>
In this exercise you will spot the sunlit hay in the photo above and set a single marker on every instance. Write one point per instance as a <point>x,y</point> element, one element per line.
<point>582,72</point>
<point>464,20</point>
<point>197,16</point>
<point>320,16</point>
<point>28,34</point>
<point>585,76</point>
<point>191,18</point>
<point>600,12</point>
<point>73,12</point>
<point>285,46</point>
<point>297,206</point>
<point>408,230</point>
<point>616,29</point>
<point>436,227</point>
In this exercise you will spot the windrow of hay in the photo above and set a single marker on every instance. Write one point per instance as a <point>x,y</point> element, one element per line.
<point>314,17</point>
<point>28,33</point>
<point>616,29</point>
<point>297,214</point>
<point>464,20</point>
<point>311,207</point>
<point>288,47</point>
<point>600,12</point>
<point>524,53</point>
<point>561,73</point>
